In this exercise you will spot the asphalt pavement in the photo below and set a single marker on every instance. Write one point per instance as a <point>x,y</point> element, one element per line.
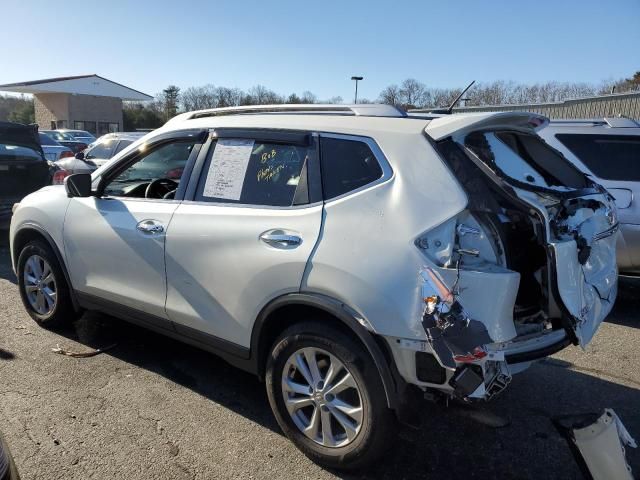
<point>153,408</point>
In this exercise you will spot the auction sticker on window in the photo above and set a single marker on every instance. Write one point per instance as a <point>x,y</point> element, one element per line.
<point>228,168</point>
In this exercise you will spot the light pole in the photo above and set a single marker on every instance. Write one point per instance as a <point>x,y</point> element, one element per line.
<point>357,79</point>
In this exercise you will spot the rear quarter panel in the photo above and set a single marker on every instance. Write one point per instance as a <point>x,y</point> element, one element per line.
<point>366,255</point>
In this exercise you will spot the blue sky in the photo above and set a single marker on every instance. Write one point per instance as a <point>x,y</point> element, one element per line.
<point>292,46</point>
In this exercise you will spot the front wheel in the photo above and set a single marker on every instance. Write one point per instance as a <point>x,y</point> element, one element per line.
<point>328,397</point>
<point>43,287</point>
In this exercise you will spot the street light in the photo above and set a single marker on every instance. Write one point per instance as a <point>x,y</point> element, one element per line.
<point>357,79</point>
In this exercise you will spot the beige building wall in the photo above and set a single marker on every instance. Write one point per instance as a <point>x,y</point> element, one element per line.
<point>96,111</point>
<point>51,107</point>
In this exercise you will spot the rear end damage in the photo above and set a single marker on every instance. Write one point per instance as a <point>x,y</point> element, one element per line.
<point>525,270</point>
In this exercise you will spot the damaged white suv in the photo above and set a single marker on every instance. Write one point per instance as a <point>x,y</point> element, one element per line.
<point>351,256</point>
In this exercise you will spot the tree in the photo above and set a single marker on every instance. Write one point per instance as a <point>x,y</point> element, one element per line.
<point>412,93</point>
<point>391,95</point>
<point>139,115</point>
<point>169,100</point>
<point>23,113</point>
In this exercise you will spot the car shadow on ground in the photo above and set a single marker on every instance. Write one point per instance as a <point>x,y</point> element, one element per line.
<point>5,259</point>
<point>498,439</point>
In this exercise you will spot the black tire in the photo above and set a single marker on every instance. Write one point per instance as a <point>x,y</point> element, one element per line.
<point>8,470</point>
<point>63,312</point>
<point>378,424</point>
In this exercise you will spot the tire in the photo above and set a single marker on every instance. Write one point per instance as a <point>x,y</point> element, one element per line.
<point>330,346</point>
<point>55,315</point>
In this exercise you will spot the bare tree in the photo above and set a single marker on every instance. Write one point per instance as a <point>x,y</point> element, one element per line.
<point>412,93</point>
<point>391,95</point>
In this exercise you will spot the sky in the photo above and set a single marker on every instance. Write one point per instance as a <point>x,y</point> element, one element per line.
<point>292,46</point>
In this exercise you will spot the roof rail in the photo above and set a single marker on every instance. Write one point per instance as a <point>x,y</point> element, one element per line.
<point>364,110</point>
<point>613,122</point>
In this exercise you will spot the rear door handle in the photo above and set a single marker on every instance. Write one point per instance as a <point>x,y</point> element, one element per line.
<point>280,239</point>
<point>150,227</point>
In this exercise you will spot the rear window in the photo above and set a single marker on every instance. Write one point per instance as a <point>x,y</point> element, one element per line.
<point>525,158</point>
<point>10,152</point>
<point>346,166</point>
<point>102,150</point>
<point>610,157</point>
<point>47,140</point>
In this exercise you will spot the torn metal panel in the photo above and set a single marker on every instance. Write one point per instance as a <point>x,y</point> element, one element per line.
<point>598,442</point>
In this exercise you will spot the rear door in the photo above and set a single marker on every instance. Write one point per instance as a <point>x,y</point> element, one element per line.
<point>245,235</point>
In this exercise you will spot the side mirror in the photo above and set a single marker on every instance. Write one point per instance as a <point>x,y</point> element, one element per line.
<point>80,155</point>
<point>78,185</point>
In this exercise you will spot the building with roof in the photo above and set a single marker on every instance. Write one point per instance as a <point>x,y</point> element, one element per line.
<point>613,105</point>
<point>85,102</point>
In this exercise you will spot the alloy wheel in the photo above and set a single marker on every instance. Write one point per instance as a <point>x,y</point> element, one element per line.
<point>322,397</point>
<point>40,285</point>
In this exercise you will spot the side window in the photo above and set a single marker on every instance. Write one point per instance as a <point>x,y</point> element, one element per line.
<point>346,166</point>
<point>121,146</point>
<point>165,163</point>
<point>610,157</point>
<point>255,173</point>
<point>102,150</point>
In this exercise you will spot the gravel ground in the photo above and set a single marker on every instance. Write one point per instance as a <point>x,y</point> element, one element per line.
<point>153,408</point>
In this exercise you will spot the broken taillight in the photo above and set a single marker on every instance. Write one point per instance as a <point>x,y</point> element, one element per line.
<point>478,354</point>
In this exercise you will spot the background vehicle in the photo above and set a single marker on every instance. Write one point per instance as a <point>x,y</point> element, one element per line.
<point>53,151</point>
<point>609,151</point>
<point>109,145</point>
<point>23,168</point>
<point>66,140</point>
<point>80,135</point>
<point>349,255</point>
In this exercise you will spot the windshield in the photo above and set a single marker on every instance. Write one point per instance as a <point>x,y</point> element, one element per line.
<point>526,159</point>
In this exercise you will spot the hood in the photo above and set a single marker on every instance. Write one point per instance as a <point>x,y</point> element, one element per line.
<point>19,134</point>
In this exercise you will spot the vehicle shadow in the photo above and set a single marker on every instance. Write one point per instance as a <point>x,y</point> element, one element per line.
<point>5,260</point>
<point>454,441</point>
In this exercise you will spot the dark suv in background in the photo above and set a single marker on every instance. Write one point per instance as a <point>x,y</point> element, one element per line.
<point>23,168</point>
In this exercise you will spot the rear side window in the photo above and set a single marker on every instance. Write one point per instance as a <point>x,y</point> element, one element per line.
<point>346,166</point>
<point>245,171</point>
<point>525,158</point>
<point>47,140</point>
<point>610,157</point>
<point>102,150</point>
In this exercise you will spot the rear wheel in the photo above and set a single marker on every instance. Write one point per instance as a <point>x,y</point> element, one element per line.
<point>43,287</point>
<point>328,397</point>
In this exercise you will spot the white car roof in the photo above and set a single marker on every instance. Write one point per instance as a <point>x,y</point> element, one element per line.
<point>350,119</point>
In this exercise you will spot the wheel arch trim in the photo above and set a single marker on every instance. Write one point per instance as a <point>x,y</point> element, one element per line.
<point>340,311</point>
<point>35,228</point>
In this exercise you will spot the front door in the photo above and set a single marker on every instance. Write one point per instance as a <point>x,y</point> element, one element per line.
<point>246,236</point>
<point>115,243</point>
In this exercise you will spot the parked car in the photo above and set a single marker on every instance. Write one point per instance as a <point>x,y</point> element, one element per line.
<point>53,151</point>
<point>8,469</point>
<point>351,256</point>
<point>80,135</point>
<point>101,151</point>
<point>608,150</point>
<point>23,167</point>
<point>66,140</point>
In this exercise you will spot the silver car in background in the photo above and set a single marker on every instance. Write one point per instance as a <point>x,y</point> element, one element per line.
<point>608,150</point>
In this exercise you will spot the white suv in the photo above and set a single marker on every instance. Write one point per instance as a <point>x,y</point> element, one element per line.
<point>608,150</point>
<point>350,256</point>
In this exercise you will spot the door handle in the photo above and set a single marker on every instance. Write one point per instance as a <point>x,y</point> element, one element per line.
<point>280,239</point>
<point>150,227</point>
